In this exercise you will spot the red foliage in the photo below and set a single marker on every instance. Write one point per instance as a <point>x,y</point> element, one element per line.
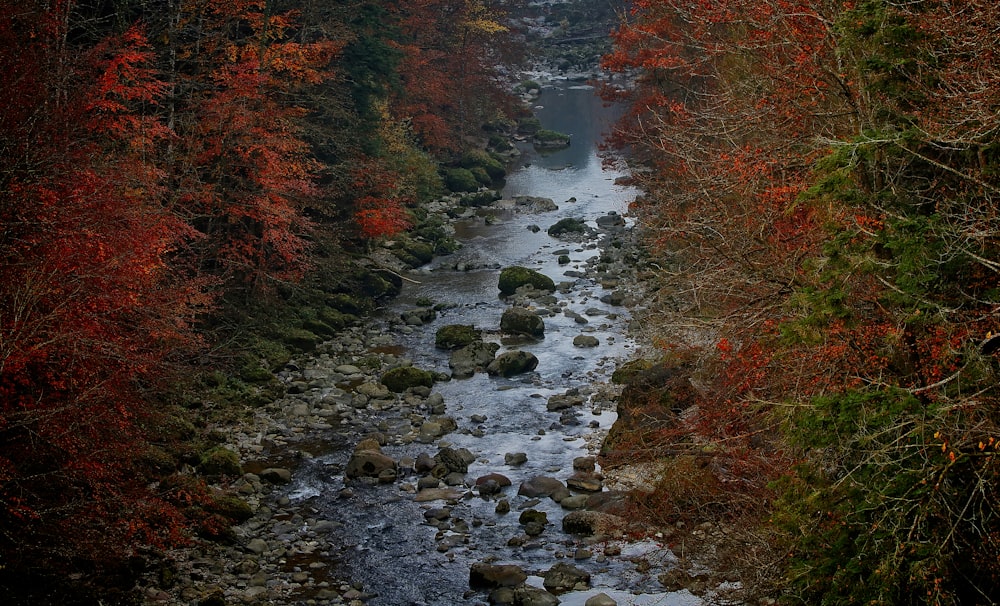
<point>380,208</point>
<point>90,307</point>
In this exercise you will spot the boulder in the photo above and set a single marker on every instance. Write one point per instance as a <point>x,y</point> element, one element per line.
<point>601,599</point>
<point>465,361</point>
<point>567,225</point>
<point>534,596</point>
<point>368,464</point>
<point>455,336</point>
<point>489,576</point>
<point>522,321</point>
<point>401,378</point>
<point>585,482</point>
<point>563,401</point>
<point>455,459</point>
<point>512,363</point>
<point>585,341</point>
<point>540,486</point>
<point>612,219</point>
<point>563,577</point>
<point>514,277</point>
<point>276,475</point>
<point>515,459</point>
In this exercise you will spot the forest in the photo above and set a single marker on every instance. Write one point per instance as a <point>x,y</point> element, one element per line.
<point>181,182</point>
<point>821,194</point>
<point>182,186</point>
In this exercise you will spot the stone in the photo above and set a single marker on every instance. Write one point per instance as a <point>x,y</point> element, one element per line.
<point>368,463</point>
<point>466,361</point>
<point>512,363</point>
<point>585,481</point>
<point>612,219</point>
<point>587,464</point>
<point>540,486</point>
<point>533,515</point>
<point>585,341</point>
<point>257,546</point>
<point>514,277</point>
<point>574,502</point>
<point>601,599</point>
<point>522,321</point>
<point>499,479</point>
<point>534,596</point>
<point>455,336</point>
<point>455,460</point>
<point>515,459</point>
<point>584,523</point>
<point>490,576</point>
<point>276,475</point>
<point>503,506</point>
<point>401,378</point>
<point>563,577</point>
<point>424,463</point>
<point>563,402</point>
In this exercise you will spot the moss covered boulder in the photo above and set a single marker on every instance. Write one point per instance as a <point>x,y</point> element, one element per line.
<point>516,276</point>
<point>522,321</point>
<point>567,226</point>
<point>220,461</point>
<point>455,336</point>
<point>399,379</point>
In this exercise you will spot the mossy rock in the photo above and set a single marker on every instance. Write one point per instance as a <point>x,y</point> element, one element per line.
<point>550,139</point>
<point>481,175</point>
<point>301,339</point>
<point>401,378</point>
<point>627,371</point>
<point>522,321</point>
<point>567,225</point>
<point>220,461</point>
<point>460,180</point>
<point>253,372</point>
<point>347,304</point>
<point>512,278</point>
<point>378,284</point>
<point>419,253</point>
<point>319,327</point>
<point>232,507</point>
<point>529,125</point>
<point>455,336</point>
<point>335,318</point>
<point>483,160</point>
<point>479,199</point>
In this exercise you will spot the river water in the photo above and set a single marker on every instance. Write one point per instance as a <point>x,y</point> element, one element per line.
<point>383,539</point>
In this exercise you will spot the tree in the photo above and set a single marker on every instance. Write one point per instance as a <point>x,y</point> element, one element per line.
<point>91,308</point>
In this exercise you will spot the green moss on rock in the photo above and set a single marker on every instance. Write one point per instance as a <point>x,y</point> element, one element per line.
<point>399,379</point>
<point>512,278</point>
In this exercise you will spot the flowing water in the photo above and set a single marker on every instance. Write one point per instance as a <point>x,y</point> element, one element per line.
<point>384,540</point>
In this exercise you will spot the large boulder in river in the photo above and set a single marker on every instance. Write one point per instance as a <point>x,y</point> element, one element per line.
<point>522,321</point>
<point>540,486</point>
<point>489,576</point>
<point>454,336</point>
<point>514,277</point>
<point>401,378</point>
<point>465,361</point>
<point>368,463</point>
<point>455,459</point>
<point>512,363</point>
<point>563,577</point>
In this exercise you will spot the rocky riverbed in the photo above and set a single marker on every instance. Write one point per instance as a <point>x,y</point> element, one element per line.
<point>445,451</point>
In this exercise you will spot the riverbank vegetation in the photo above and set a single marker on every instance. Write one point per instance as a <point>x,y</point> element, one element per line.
<point>185,190</point>
<point>821,187</point>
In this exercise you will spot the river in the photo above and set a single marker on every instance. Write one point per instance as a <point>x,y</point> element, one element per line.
<point>381,531</point>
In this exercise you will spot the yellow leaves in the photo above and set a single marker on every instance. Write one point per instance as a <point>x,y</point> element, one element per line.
<point>480,20</point>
